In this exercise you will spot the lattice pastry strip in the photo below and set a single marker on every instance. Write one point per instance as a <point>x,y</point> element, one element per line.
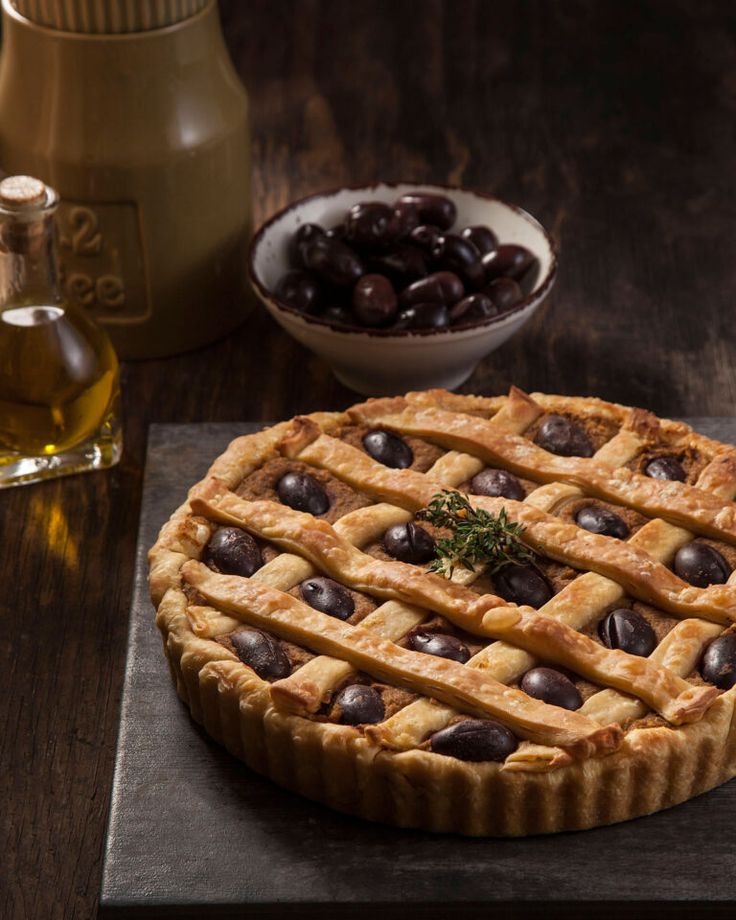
<point>677,502</point>
<point>484,615</point>
<point>642,576</point>
<point>305,690</point>
<point>313,682</point>
<point>616,452</point>
<point>630,444</point>
<point>286,570</point>
<point>578,604</point>
<point>446,680</point>
<point>183,536</point>
<point>647,426</point>
<point>318,678</point>
<point>679,652</point>
<point>620,447</point>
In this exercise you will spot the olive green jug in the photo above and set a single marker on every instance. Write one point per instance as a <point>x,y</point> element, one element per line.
<point>132,110</point>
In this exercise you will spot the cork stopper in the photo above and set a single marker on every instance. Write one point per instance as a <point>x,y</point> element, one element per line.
<point>24,201</point>
<point>18,193</point>
<point>108,17</point>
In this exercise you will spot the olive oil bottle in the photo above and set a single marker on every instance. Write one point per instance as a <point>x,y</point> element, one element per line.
<point>59,380</point>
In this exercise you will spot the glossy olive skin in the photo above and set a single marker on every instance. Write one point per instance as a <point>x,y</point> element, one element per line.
<point>718,664</point>
<point>439,644</point>
<point>403,265</point>
<point>299,241</point>
<point>439,287</point>
<point>497,483</point>
<point>423,316</point>
<point>508,261</point>
<point>482,237</point>
<point>625,629</point>
<point>528,280</point>
<point>665,468</point>
<point>551,687</point>
<point>372,225</point>
<point>472,309</point>
<point>453,253</point>
<point>505,293</point>
<point>333,261</point>
<point>430,209</point>
<point>561,436</point>
<point>359,705</point>
<point>409,543</point>
<point>389,449</point>
<point>232,551</point>
<point>262,652</point>
<point>407,218</point>
<point>411,246</point>
<point>475,740</point>
<point>701,565</point>
<point>425,237</point>
<point>302,492</point>
<point>597,519</point>
<point>523,585</point>
<point>327,596</point>
<point>374,301</point>
<point>300,290</point>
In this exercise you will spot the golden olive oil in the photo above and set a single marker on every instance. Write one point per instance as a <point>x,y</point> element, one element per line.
<point>59,390</point>
<point>58,379</point>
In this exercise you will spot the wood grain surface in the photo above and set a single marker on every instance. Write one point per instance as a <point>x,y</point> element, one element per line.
<point>611,122</point>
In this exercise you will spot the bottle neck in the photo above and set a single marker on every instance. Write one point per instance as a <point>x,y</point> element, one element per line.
<point>28,266</point>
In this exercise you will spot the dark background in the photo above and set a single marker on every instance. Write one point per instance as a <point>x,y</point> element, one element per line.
<point>612,122</point>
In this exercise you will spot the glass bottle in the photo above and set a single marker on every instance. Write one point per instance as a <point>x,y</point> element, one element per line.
<point>59,380</point>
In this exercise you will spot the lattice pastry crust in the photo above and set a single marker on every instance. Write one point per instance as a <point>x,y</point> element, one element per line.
<point>650,732</point>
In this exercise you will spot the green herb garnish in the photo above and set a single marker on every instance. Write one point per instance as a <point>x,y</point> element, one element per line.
<point>477,536</point>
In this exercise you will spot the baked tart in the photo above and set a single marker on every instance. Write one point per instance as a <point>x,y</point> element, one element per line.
<point>483,615</point>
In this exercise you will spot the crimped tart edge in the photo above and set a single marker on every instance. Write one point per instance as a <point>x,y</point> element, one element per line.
<point>655,768</point>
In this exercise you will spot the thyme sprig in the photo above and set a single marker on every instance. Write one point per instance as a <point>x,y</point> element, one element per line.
<point>477,536</point>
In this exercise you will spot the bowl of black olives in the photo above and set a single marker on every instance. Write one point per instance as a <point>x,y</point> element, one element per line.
<point>405,286</point>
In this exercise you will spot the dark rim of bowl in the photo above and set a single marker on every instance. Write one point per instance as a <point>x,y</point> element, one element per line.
<point>535,295</point>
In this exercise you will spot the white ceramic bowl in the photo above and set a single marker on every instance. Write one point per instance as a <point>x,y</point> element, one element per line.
<point>379,362</point>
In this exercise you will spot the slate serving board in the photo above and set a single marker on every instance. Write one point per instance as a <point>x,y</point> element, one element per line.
<point>193,833</point>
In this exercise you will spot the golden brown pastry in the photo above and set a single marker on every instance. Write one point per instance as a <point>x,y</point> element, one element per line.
<point>323,621</point>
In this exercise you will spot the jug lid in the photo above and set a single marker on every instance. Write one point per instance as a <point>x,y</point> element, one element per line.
<point>107,17</point>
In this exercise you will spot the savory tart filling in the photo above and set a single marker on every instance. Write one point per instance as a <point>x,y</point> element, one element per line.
<point>571,435</point>
<point>666,462</point>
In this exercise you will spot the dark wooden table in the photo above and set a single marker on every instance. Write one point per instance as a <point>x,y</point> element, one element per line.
<point>611,122</point>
